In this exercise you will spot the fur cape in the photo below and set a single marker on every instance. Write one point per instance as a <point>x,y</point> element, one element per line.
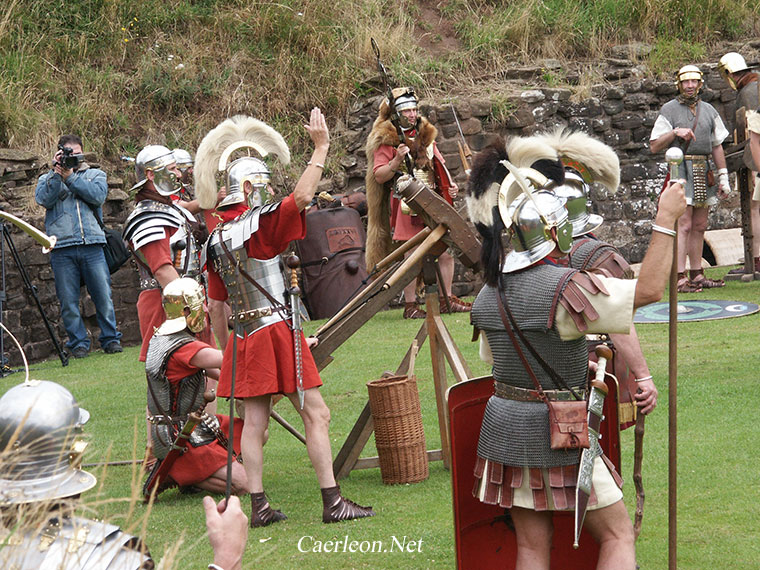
<point>378,195</point>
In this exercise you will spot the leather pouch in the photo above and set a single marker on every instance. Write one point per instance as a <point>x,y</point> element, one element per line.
<point>568,424</point>
<point>710,178</point>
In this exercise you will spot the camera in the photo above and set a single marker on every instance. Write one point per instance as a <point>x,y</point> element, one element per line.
<point>68,160</point>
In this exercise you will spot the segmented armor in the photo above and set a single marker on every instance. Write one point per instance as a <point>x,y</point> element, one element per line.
<point>147,224</point>
<point>254,310</point>
<point>74,544</point>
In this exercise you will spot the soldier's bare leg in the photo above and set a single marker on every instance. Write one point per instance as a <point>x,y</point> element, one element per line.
<point>611,527</point>
<point>534,532</point>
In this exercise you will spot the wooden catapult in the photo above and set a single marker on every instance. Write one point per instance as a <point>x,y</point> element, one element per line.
<point>445,228</point>
<point>734,160</point>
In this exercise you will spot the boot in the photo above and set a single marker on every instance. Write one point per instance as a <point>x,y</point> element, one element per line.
<point>412,311</point>
<point>261,513</point>
<point>338,508</point>
<point>456,304</point>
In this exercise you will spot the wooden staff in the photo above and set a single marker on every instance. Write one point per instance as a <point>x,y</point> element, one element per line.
<point>674,157</point>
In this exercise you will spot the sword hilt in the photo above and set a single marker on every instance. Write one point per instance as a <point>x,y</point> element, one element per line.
<point>293,262</point>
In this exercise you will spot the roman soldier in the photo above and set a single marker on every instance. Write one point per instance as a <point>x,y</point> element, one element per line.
<point>744,81</point>
<point>160,234</point>
<point>177,367</point>
<point>697,129</point>
<point>266,353</point>
<point>400,137</point>
<point>40,481</point>
<point>551,307</point>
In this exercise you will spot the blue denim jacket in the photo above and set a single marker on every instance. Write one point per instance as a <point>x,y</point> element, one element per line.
<point>69,216</point>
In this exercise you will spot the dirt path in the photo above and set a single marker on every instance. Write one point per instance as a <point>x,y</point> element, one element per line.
<point>435,34</point>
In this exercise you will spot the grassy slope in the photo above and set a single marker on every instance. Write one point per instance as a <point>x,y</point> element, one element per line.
<point>716,465</point>
<point>126,73</point>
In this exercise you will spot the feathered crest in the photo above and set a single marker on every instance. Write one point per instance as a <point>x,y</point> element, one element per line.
<point>589,156</point>
<point>488,172</point>
<point>237,129</point>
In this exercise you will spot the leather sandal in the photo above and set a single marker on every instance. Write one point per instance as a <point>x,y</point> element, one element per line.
<point>262,514</point>
<point>412,311</point>
<point>337,508</point>
<point>686,286</point>
<point>698,278</point>
<point>456,304</point>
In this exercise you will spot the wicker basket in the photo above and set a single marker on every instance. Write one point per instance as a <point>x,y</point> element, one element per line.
<point>399,436</point>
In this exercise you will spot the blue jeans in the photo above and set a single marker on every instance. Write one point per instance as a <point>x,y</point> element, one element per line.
<point>72,265</point>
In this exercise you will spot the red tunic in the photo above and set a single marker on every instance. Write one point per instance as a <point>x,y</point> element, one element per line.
<point>265,359</point>
<point>150,309</point>
<point>405,226</point>
<point>198,463</point>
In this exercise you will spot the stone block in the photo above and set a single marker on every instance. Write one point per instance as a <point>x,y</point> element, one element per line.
<point>627,120</point>
<point>557,94</point>
<point>480,108</point>
<point>613,106</point>
<point>520,118</point>
<point>471,126</point>
<point>532,96</point>
<point>630,172</point>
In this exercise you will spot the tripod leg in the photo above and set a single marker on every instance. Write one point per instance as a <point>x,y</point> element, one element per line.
<point>30,289</point>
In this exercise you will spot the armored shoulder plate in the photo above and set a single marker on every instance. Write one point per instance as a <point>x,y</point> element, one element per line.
<point>75,544</point>
<point>147,221</point>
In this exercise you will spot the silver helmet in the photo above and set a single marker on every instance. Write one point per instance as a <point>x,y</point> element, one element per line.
<point>183,159</point>
<point>530,209</point>
<point>404,98</point>
<point>157,158</point>
<point>40,430</point>
<point>688,72</point>
<point>178,295</point>
<point>248,169</point>
<point>729,64</point>
<point>575,191</point>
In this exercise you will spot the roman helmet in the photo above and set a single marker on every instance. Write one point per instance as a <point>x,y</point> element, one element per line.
<point>689,72</point>
<point>178,295</point>
<point>730,63</point>
<point>183,159</point>
<point>404,98</point>
<point>535,216</point>
<point>575,191</point>
<point>41,444</point>
<point>586,160</point>
<point>238,148</point>
<point>157,158</point>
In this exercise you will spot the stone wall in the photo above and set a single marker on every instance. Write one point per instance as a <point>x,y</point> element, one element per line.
<point>620,111</point>
<point>19,171</point>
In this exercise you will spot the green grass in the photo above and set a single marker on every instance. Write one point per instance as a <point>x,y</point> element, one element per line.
<point>717,467</point>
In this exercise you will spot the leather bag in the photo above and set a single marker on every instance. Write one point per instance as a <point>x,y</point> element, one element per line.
<point>568,424</point>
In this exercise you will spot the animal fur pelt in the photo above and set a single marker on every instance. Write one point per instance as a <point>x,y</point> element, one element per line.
<point>238,128</point>
<point>597,158</point>
<point>378,195</point>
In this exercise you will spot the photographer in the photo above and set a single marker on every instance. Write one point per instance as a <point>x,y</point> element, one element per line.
<point>73,193</point>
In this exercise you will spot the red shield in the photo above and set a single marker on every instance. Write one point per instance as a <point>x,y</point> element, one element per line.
<point>483,536</point>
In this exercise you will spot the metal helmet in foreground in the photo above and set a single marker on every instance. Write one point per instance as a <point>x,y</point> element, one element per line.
<point>256,172</point>
<point>730,63</point>
<point>40,429</point>
<point>178,295</point>
<point>156,158</point>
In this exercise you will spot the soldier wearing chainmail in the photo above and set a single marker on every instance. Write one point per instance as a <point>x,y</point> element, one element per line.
<point>553,307</point>
<point>243,260</point>
<point>40,481</point>
<point>696,128</point>
<point>176,368</point>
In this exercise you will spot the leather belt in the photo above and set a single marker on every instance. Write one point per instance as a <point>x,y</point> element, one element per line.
<point>253,314</point>
<point>508,392</point>
<point>695,157</point>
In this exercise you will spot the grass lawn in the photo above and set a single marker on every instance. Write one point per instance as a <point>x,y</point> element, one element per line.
<point>717,486</point>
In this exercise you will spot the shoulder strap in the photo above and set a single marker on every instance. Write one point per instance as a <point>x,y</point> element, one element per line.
<point>504,311</point>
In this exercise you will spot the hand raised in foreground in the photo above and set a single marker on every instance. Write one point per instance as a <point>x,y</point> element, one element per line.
<point>227,528</point>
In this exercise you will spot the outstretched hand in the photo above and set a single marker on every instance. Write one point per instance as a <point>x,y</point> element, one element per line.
<point>317,128</point>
